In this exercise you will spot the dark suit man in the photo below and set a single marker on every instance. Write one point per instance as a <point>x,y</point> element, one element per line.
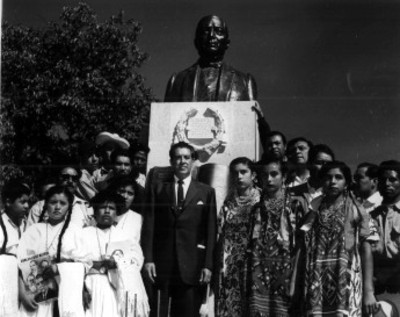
<point>178,237</point>
<point>210,79</point>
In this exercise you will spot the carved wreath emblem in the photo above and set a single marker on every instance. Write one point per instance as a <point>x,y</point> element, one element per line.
<point>218,130</point>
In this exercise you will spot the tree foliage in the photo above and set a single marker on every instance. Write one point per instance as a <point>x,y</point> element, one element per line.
<point>68,82</point>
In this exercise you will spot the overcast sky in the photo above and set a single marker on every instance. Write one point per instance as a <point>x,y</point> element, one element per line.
<point>325,70</point>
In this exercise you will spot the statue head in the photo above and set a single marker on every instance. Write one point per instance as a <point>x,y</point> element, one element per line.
<point>212,38</point>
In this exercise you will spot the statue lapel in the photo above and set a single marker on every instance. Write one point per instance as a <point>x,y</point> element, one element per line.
<point>225,83</point>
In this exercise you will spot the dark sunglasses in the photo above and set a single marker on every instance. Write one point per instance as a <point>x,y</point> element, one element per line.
<point>320,162</point>
<point>66,177</point>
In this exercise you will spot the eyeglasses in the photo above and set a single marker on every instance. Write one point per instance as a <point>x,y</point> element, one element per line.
<point>66,177</point>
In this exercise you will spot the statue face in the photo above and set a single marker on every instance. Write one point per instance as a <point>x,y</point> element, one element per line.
<point>211,37</point>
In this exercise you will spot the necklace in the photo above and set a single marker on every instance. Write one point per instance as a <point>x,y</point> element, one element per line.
<point>48,246</point>
<point>103,256</point>
<point>331,214</point>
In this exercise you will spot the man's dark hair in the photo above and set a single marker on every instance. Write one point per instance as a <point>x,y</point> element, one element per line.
<point>341,166</point>
<point>391,165</point>
<point>120,152</point>
<point>123,181</point>
<point>87,148</point>
<point>320,148</point>
<point>274,133</point>
<point>371,171</point>
<point>139,147</point>
<point>73,166</point>
<point>292,142</point>
<point>182,145</point>
<point>13,190</point>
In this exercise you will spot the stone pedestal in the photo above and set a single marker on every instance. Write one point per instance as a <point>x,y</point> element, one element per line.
<point>219,131</point>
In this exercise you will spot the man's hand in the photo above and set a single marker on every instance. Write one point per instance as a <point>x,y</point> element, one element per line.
<point>257,109</point>
<point>29,302</point>
<point>150,271</point>
<point>205,276</point>
<point>370,306</point>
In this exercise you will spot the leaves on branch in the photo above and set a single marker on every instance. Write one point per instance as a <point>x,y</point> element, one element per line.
<point>68,82</point>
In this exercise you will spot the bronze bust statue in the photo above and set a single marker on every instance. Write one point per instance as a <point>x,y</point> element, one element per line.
<point>210,79</point>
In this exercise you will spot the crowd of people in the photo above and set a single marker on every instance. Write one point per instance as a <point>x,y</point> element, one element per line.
<point>297,235</point>
<point>86,218</point>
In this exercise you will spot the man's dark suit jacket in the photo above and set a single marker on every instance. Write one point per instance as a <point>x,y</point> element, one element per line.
<point>234,85</point>
<point>50,294</point>
<point>193,230</point>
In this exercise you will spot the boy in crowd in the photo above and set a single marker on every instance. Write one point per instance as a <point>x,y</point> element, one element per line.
<point>89,162</point>
<point>15,196</point>
<point>386,219</point>
<point>366,186</point>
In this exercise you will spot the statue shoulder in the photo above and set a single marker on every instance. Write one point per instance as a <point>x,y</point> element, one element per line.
<point>246,78</point>
<point>175,82</point>
<point>184,73</point>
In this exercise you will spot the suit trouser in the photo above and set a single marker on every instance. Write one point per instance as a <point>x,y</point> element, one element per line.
<point>177,301</point>
<point>174,298</point>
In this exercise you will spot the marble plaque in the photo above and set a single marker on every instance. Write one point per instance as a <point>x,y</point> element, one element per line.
<point>200,128</point>
<point>219,131</point>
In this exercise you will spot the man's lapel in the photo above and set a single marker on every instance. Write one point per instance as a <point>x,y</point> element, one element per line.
<point>190,195</point>
<point>170,191</point>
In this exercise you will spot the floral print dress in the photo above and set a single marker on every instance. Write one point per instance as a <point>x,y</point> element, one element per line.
<point>233,228</point>
<point>272,256</point>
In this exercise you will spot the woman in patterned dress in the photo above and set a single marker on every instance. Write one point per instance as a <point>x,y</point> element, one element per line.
<point>336,234</point>
<point>273,245</point>
<point>233,228</point>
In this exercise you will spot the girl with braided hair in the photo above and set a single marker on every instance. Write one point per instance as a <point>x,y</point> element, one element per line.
<point>273,245</point>
<point>233,238</point>
<point>339,265</point>
<point>58,236</point>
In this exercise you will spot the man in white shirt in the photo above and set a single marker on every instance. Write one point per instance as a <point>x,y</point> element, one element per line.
<point>139,157</point>
<point>386,220</point>
<point>15,196</point>
<point>297,154</point>
<point>319,155</point>
<point>89,162</point>
<point>366,186</point>
<point>82,215</point>
<point>121,164</point>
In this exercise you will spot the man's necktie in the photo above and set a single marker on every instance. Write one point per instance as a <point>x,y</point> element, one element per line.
<point>180,193</point>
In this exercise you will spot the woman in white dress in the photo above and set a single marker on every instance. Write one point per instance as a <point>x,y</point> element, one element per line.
<point>130,224</point>
<point>62,240</point>
<point>98,284</point>
<point>129,221</point>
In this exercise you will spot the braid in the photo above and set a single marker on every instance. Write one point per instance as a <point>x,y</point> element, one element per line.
<point>41,217</point>
<point>3,228</point>
<point>64,228</point>
<point>70,197</point>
